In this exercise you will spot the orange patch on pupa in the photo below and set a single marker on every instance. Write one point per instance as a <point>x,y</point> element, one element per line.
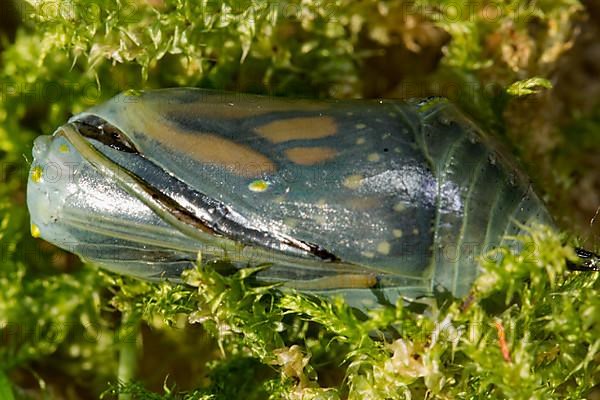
<point>213,149</point>
<point>309,155</point>
<point>298,128</point>
<point>204,147</point>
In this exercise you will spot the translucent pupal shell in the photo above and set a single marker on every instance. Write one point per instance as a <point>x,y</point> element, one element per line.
<point>370,199</point>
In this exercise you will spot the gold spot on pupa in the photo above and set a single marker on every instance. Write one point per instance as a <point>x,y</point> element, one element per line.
<point>297,128</point>
<point>399,207</point>
<point>361,140</point>
<point>35,231</point>
<point>397,233</point>
<point>353,181</point>
<point>383,248</point>
<point>321,202</point>
<point>36,174</point>
<point>63,148</point>
<point>415,231</point>
<point>368,254</point>
<point>310,155</point>
<point>373,157</point>
<point>258,185</point>
<point>360,126</point>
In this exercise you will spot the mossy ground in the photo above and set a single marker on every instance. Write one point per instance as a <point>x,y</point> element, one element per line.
<point>526,72</point>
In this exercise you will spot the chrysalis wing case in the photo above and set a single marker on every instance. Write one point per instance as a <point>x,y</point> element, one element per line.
<point>368,198</point>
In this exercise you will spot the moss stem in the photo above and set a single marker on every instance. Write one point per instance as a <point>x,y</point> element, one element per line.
<point>127,339</point>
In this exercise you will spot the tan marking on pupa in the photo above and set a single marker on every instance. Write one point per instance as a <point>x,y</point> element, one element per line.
<point>363,203</point>
<point>341,281</point>
<point>353,181</point>
<point>213,149</point>
<point>298,128</point>
<point>206,147</point>
<point>399,207</point>
<point>384,248</point>
<point>309,155</point>
<point>373,157</point>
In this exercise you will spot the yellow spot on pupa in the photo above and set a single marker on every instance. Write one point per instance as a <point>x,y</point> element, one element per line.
<point>383,248</point>
<point>35,231</point>
<point>415,231</point>
<point>373,157</point>
<point>298,128</point>
<point>353,181</point>
<point>63,148</point>
<point>361,140</point>
<point>321,202</point>
<point>310,155</point>
<point>258,185</point>
<point>397,233</point>
<point>368,254</point>
<point>36,174</point>
<point>360,126</point>
<point>399,207</point>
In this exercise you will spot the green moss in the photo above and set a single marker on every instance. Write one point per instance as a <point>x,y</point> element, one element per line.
<point>453,348</point>
<point>62,323</point>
